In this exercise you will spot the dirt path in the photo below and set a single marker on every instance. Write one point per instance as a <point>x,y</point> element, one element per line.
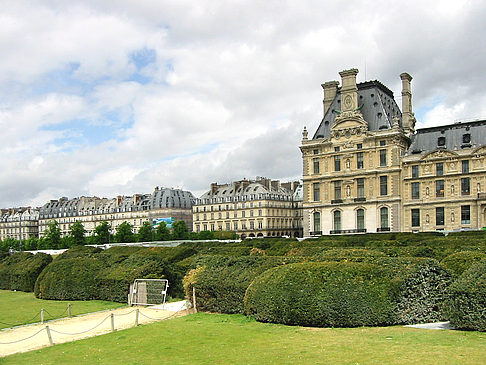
<point>15,340</point>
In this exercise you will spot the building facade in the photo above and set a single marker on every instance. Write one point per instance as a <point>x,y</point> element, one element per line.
<point>251,208</point>
<point>357,167</point>
<point>19,223</point>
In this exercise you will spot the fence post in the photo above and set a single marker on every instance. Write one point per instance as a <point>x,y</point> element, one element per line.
<point>69,310</point>
<point>194,298</point>
<point>49,335</point>
<point>112,322</point>
<point>137,313</point>
<point>187,306</point>
<point>42,315</point>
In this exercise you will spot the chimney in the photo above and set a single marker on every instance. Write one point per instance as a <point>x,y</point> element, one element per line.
<point>349,90</point>
<point>214,187</point>
<point>408,118</point>
<point>330,92</point>
<point>275,184</point>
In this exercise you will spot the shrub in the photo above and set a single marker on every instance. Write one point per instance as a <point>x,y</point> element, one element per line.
<point>465,306</point>
<point>347,294</point>
<point>459,262</point>
<point>20,271</point>
<point>70,279</point>
<point>79,251</point>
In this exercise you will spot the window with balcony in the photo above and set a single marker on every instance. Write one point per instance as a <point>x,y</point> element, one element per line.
<point>439,188</point>
<point>360,187</point>
<point>337,220</point>
<point>337,190</point>
<point>360,220</point>
<point>415,190</point>
<point>317,222</point>
<point>384,218</point>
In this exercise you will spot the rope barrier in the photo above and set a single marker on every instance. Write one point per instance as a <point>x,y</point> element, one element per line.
<point>23,339</point>
<point>80,333</point>
<point>22,323</point>
<point>124,314</point>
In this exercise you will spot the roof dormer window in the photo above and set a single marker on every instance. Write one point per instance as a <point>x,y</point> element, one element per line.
<point>441,141</point>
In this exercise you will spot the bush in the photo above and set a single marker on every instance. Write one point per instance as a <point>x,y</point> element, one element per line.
<point>465,306</point>
<point>79,251</point>
<point>70,279</point>
<point>20,271</point>
<point>459,262</point>
<point>348,294</point>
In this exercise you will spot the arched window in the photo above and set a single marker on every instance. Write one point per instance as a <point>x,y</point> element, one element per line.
<point>337,220</point>
<point>384,218</point>
<point>317,222</point>
<point>360,222</point>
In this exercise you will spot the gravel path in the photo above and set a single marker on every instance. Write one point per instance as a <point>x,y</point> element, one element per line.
<point>17,339</point>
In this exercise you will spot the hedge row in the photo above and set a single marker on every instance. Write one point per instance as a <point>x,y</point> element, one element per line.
<point>459,262</point>
<point>20,270</point>
<point>347,294</point>
<point>465,305</point>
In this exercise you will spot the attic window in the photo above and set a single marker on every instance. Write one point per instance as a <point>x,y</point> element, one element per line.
<point>441,141</point>
<point>256,187</point>
<point>372,95</point>
<point>326,123</point>
<point>375,104</point>
<point>466,138</point>
<point>383,127</point>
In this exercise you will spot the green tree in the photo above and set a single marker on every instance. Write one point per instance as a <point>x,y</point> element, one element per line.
<point>102,233</point>
<point>124,233</point>
<point>145,232</point>
<point>78,233</point>
<point>162,233</point>
<point>11,243</point>
<point>180,231</point>
<point>206,235</point>
<point>31,243</point>
<point>53,234</point>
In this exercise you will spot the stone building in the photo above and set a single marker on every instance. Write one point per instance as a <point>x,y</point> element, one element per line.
<point>251,208</point>
<point>357,167</point>
<point>19,223</point>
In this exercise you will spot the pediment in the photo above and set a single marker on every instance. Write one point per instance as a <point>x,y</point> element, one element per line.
<point>349,120</point>
<point>439,154</point>
<point>480,150</point>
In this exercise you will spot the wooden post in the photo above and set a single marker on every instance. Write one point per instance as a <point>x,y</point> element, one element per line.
<point>194,299</point>
<point>187,306</point>
<point>49,335</point>
<point>112,322</point>
<point>69,310</point>
<point>137,313</point>
<point>42,315</point>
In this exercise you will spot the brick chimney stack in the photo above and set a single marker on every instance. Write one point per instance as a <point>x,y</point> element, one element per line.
<point>408,117</point>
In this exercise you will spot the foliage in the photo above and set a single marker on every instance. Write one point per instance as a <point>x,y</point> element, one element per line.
<point>79,251</point>
<point>162,233</point>
<point>459,262</point>
<point>124,233</point>
<point>102,233</point>
<point>53,235</point>
<point>78,234</point>
<point>145,232</point>
<point>180,231</point>
<point>20,270</point>
<point>465,306</point>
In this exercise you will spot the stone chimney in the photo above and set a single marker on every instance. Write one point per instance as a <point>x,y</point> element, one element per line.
<point>349,90</point>
<point>330,92</point>
<point>408,118</point>
<point>214,187</point>
<point>275,184</point>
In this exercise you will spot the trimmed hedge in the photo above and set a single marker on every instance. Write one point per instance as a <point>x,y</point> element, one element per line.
<point>20,270</point>
<point>79,251</point>
<point>465,306</point>
<point>70,279</point>
<point>220,282</point>
<point>347,294</point>
<point>459,262</point>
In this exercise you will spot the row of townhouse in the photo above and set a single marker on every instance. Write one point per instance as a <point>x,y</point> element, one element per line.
<point>366,169</point>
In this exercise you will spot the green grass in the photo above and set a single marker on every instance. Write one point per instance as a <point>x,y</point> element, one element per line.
<point>20,308</point>
<point>235,339</point>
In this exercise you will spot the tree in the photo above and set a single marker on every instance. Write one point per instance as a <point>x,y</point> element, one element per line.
<point>145,232</point>
<point>162,233</point>
<point>31,243</point>
<point>78,234</point>
<point>102,233</point>
<point>180,231</point>
<point>124,233</point>
<point>53,234</point>
<point>206,235</point>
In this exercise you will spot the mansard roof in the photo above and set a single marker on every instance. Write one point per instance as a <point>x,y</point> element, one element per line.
<point>375,102</point>
<point>451,137</point>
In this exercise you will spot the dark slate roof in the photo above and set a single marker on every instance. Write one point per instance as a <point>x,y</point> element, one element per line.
<point>427,139</point>
<point>377,104</point>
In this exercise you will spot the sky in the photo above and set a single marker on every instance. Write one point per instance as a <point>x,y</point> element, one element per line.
<point>107,98</point>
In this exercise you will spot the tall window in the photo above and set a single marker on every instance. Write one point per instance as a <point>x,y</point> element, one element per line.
<point>383,185</point>
<point>361,189</point>
<point>465,167</point>
<point>465,214</point>
<point>415,171</point>
<point>360,222</point>
<point>337,220</point>
<point>337,189</point>
<point>337,163</point>
<point>382,157</point>
<point>415,217</point>
<point>359,160</point>
<point>439,169</point>
<point>415,190</point>
<point>317,192</point>
<point>439,216</point>
<point>439,188</point>
<point>465,186</point>
<point>317,222</point>
<point>316,165</point>
<point>384,217</point>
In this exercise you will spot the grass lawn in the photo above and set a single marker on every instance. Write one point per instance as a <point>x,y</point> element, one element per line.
<point>235,339</point>
<point>20,308</point>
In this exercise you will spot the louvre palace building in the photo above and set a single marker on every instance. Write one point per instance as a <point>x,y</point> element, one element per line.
<point>366,168</point>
